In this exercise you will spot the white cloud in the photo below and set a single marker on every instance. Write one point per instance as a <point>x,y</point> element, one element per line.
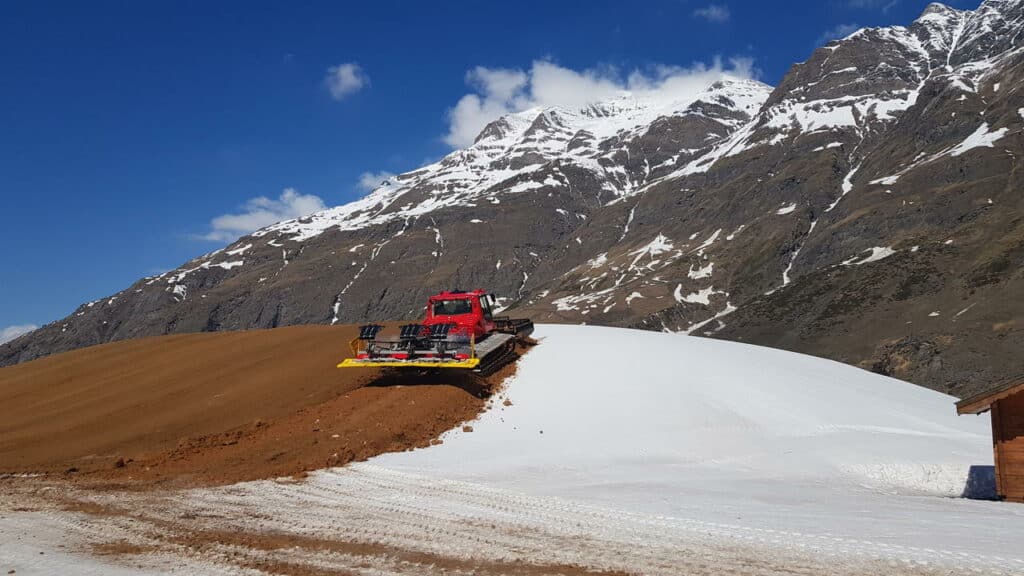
<point>885,5</point>
<point>11,332</point>
<point>345,79</point>
<point>499,91</point>
<point>838,32</point>
<point>262,211</point>
<point>370,180</point>
<point>713,13</point>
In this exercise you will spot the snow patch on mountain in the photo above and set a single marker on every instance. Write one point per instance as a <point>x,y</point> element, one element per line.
<point>877,253</point>
<point>540,137</point>
<point>981,137</point>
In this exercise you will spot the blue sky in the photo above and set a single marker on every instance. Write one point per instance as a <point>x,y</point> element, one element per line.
<point>128,128</point>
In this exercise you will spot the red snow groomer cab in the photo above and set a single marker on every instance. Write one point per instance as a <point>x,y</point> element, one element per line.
<point>459,332</point>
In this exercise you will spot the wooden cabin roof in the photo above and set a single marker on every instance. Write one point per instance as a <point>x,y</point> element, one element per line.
<point>981,402</point>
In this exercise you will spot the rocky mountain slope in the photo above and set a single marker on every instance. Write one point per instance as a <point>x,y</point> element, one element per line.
<point>867,209</point>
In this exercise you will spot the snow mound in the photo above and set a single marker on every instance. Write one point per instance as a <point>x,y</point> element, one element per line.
<point>609,413</point>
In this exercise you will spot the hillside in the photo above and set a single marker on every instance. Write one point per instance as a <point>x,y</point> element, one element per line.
<point>216,408</point>
<point>708,457</point>
<point>865,209</point>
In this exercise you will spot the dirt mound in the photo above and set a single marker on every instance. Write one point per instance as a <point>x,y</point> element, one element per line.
<point>218,408</point>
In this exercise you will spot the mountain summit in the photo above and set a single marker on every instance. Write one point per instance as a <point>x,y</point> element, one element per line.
<point>866,209</point>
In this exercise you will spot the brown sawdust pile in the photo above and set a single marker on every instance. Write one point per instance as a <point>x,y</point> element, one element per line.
<point>218,408</point>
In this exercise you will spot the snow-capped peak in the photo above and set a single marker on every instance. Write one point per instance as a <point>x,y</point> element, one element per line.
<point>508,150</point>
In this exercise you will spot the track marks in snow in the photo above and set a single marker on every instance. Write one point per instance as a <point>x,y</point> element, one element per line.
<point>372,520</point>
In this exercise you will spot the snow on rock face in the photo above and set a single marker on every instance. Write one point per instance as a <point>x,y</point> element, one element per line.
<point>702,272</point>
<point>239,251</point>
<point>786,209</point>
<point>892,64</point>
<point>827,146</point>
<point>519,144</point>
<point>660,245</point>
<point>877,253</point>
<point>981,137</point>
<point>702,296</point>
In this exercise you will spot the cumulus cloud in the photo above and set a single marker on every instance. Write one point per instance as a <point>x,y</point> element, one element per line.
<point>838,32</point>
<point>345,79</point>
<point>713,13</point>
<point>370,180</point>
<point>262,211</point>
<point>500,91</point>
<point>11,332</point>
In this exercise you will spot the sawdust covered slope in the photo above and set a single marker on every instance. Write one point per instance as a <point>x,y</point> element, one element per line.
<point>216,408</point>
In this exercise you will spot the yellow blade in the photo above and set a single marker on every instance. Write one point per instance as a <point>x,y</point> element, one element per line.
<point>354,363</point>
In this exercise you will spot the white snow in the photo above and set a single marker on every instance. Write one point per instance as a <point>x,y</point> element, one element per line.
<point>181,273</point>
<point>702,272</point>
<point>847,185</point>
<point>678,293</point>
<point>35,544</point>
<point>972,305</point>
<point>229,265</point>
<point>887,180</point>
<point>705,244</point>
<point>334,309</point>
<point>827,146</point>
<point>629,220</point>
<point>179,292</point>
<point>660,245</point>
<point>735,232</point>
<point>238,251</point>
<point>877,253</point>
<point>979,138</point>
<point>524,186</point>
<point>730,433</point>
<point>737,411</point>
<point>792,260</point>
<point>786,209</point>
<point>702,296</point>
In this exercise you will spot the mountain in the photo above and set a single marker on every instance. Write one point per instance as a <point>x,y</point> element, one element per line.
<point>866,209</point>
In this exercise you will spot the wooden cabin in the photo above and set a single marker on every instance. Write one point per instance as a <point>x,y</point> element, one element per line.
<point>1006,402</point>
